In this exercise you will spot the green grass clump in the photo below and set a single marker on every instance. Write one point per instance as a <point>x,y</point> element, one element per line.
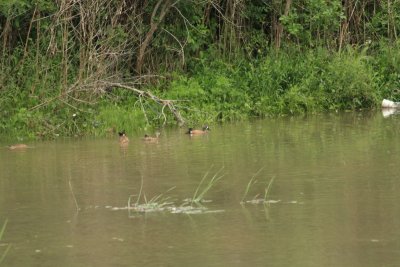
<point>291,82</point>
<point>203,187</point>
<point>118,118</point>
<point>156,203</point>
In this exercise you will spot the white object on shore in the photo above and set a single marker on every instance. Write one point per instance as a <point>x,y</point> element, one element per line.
<point>390,104</point>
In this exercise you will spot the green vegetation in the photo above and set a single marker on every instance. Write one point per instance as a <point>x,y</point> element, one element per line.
<point>255,199</point>
<point>289,83</point>
<point>156,203</point>
<point>267,188</point>
<point>250,184</point>
<point>201,189</point>
<point>2,256</point>
<point>90,68</point>
<point>162,203</point>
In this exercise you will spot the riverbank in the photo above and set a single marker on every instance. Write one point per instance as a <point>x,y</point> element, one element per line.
<point>213,90</point>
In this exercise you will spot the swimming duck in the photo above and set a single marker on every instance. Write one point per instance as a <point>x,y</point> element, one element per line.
<point>123,139</point>
<point>148,138</point>
<point>192,131</point>
<point>17,146</point>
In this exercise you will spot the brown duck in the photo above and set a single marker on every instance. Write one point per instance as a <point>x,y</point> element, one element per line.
<point>192,131</point>
<point>18,146</point>
<point>151,139</point>
<point>123,139</point>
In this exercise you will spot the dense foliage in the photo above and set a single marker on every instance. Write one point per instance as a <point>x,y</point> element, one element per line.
<point>77,67</point>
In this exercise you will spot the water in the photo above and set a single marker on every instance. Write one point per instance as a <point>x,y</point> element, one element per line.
<point>336,187</point>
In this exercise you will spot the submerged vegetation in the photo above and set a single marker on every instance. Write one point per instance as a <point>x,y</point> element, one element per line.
<point>72,68</point>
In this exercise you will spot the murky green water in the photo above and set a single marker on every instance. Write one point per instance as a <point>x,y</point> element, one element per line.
<point>336,188</point>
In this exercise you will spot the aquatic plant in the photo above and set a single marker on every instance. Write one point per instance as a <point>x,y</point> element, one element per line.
<point>8,247</point>
<point>250,184</point>
<point>156,203</point>
<point>73,194</point>
<point>255,199</point>
<point>162,202</point>
<point>198,195</point>
<point>267,188</point>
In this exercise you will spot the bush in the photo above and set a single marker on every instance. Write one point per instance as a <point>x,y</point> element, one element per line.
<point>288,82</point>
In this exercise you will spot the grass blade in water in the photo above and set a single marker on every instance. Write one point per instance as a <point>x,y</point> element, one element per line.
<point>199,197</point>
<point>8,247</point>
<point>268,187</point>
<point>250,184</point>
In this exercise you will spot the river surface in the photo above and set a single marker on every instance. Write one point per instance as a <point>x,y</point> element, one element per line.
<point>334,198</point>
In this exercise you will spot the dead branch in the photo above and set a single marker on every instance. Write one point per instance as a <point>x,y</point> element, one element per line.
<point>140,93</point>
<point>181,51</point>
<point>99,86</point>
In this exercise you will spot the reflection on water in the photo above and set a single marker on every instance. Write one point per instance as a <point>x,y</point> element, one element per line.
<point>333,202</point>
<point>387,112</point>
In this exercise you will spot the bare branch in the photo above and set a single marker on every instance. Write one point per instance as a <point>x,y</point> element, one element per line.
<point>182,51</point>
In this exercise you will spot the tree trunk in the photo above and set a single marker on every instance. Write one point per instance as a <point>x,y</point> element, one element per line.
<point>154,23</point>
<point>279,26</point>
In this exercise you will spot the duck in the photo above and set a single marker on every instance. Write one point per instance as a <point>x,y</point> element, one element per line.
<point>18,146</point>
<point>123,139</point>
<point>148,138</point>
<point>192,131</point>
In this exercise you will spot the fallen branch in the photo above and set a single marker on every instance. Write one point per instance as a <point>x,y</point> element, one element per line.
<point>164,102</point>
<point>95,86</point>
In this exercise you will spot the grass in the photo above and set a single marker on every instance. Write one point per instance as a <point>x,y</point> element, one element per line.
<point>198,195</point>
<point>250,184</point>
<point>161,202</point>
<point>156,203</point>
<point>256,200</point>
<point>8,247</point>
<point>73,195</point>
<point>268,187</point>
<point>285,83</point>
